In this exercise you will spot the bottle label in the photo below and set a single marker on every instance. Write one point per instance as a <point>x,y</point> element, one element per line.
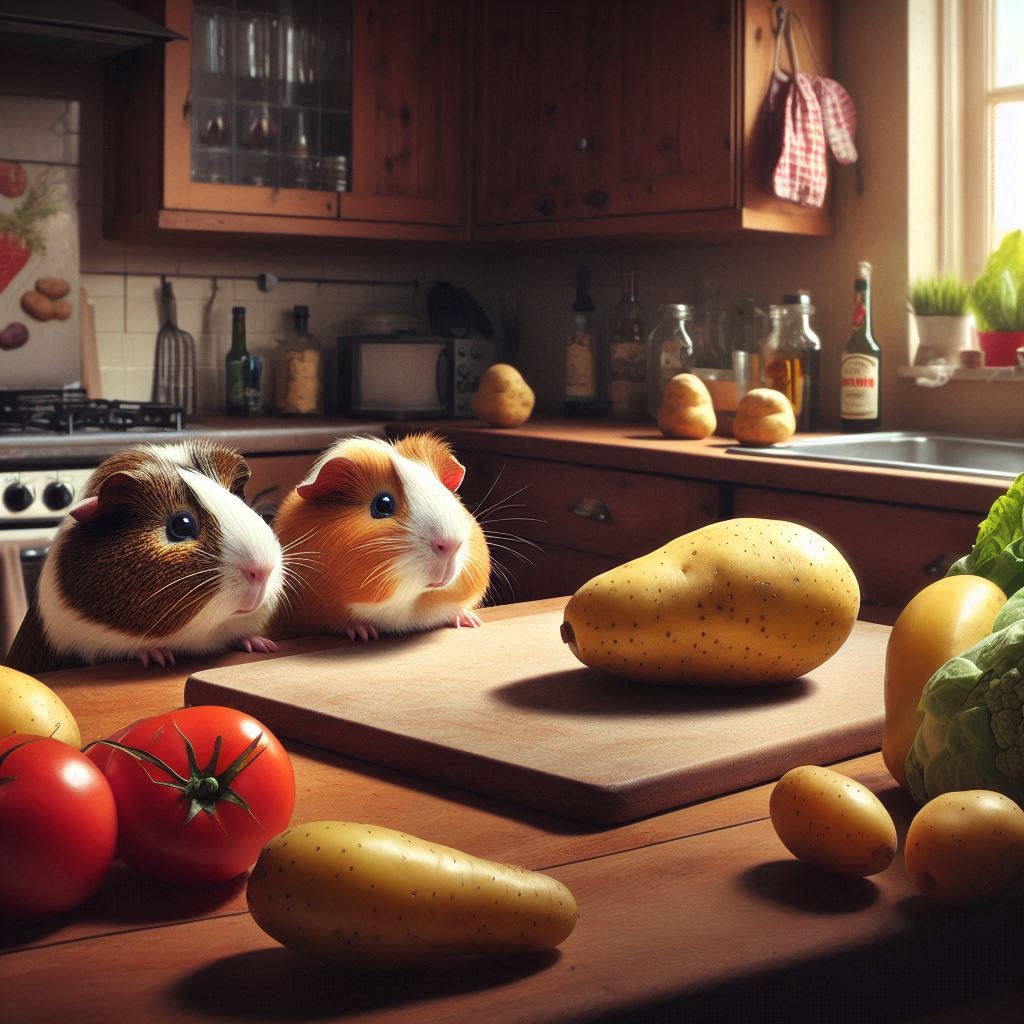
<point>858,387</point>
<point>580,371</point>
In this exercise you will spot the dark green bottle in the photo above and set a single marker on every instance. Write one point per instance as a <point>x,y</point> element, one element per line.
<point>242,371</point>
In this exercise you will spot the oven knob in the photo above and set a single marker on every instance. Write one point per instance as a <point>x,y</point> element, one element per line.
<point>18,497</point>
<point>57,495</point>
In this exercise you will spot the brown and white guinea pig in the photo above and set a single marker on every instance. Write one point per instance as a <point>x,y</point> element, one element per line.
<point>161,556</point>
<point>391,547</point>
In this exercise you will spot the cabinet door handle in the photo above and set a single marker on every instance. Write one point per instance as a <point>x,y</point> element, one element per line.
<point>939,565</point>
<point>592,508</point>
<point>582,145</point>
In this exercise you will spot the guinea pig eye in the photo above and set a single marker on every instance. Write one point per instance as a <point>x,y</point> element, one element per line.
<point>383,506</point>
<point>182,526</point>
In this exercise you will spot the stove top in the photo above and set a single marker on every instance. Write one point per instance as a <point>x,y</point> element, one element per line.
<point>71,411</point>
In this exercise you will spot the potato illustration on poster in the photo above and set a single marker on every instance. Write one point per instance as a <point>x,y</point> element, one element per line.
<point>39,255</point>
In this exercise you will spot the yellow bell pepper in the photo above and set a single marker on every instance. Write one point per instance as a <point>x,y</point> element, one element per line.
<point>938,623</point>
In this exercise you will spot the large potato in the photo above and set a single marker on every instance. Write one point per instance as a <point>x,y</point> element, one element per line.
<point>365,895</point>
<point>764,416</point>
<point>28,706</point>
<point>503,398</point>
<point>740,602</point>
<point>832,821</point>
<point>686,409</point>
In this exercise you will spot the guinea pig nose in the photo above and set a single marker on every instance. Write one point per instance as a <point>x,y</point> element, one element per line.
<point>445,545</point>
<point>256,573</point>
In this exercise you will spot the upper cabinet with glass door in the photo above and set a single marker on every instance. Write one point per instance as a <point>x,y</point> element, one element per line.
<point>266,120</point>
<point>303,117</point>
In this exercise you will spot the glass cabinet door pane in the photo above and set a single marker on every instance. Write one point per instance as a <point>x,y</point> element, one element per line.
<point>272,93</point>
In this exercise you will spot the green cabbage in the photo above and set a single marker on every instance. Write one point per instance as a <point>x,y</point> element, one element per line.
<point>971,735</point>
<point>998,552</point>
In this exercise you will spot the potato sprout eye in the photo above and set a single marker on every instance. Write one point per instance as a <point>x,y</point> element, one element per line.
<point>182,526</point>
<point>383,506</point>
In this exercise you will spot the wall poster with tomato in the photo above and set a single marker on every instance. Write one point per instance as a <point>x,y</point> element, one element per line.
<point>39,246</point>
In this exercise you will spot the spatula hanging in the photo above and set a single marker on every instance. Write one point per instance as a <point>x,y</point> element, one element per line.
<point>174,367</point>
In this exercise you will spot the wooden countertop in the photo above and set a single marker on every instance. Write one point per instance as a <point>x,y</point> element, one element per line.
<point>642,448</point>
<point>695,914</point>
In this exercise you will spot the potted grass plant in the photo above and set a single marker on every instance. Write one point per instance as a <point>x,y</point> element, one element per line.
<point>942,316</point>
<point>997,301</point>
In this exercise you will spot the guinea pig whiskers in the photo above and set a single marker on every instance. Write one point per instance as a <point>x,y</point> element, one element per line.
<point>494,483</point>
<point>483,509</point>
<point>178,604</point>
<point>298,540</point>
<point>181,579</point>
<point>512,551</point>
<point>504,535</point>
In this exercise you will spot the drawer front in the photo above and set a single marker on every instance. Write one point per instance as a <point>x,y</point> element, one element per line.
<point>558,572</point>
<point>895,550</point>
<point>604,511</point>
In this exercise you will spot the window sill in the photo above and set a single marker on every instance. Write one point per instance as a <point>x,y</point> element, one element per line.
<point>933,376</point>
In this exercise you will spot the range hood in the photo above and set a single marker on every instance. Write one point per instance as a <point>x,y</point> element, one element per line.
<point>70,28</point>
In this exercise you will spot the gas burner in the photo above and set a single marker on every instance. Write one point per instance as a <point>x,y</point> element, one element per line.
<point>71,411</point>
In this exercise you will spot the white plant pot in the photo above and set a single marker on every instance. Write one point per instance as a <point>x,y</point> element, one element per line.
<point>940,339</point>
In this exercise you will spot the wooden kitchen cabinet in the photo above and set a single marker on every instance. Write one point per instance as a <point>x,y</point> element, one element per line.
<point>630,117</point>
<point>895,550</point>
<point>186,155</point>
<point>568,523</point>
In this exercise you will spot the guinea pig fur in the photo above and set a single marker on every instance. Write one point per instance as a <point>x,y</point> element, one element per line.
<point>161,556</point>
<point>391,546</point>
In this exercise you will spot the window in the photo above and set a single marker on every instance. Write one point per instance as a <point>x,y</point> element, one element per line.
<point>993,138</point>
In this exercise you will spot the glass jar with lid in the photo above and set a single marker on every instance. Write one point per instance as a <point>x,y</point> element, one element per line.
<point>298,370</point>
<point>792,358</point>
<point>669,350</point>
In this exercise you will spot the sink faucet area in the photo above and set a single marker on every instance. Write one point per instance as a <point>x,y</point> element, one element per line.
<point>934,453</point>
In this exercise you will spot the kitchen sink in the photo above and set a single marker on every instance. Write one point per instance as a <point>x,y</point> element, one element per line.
<point>933,453</point>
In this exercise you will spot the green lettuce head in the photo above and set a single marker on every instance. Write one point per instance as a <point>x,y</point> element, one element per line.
<point>972,732</point>
<point>998,552</point>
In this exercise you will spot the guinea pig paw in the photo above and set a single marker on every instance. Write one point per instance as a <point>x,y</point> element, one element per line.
<point>467,618</point>
<point>257,645</point>
<point>162,656</point>
<point>362,632</point>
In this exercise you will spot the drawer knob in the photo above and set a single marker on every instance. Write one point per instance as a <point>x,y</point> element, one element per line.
<point>592,508</point>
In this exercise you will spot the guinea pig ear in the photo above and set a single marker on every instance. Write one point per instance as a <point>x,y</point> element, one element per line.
<point>336,476</point>
<point>452,473</point>
<point>113,492</point>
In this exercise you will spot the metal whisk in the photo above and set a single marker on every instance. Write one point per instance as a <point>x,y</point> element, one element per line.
<point>174,369</point>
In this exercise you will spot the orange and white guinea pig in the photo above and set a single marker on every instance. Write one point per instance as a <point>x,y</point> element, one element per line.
<point>387,545</point>
<point>161,556</point>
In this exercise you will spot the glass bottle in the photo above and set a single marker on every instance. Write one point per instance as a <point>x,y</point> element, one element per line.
<point>298,370</point>
<point>792,358</point>
<point>669,350</point>
<point>627,371</point>
<point>242,371</point>
<point>581,352</point>
<point>860,368</point>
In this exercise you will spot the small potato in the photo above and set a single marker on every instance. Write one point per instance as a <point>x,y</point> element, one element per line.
<point>38,306</point>
<point>686,408</point>
<point>53,287</point>
<point>13,336</point>
<point>62,309</point>
<point>764,416</point>
<point>503,398</point>
<point>31,707</point>
<point>965,848</point>
<point>832,821</point>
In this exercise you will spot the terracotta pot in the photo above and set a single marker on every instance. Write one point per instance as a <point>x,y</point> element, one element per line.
<point>1000,347</point>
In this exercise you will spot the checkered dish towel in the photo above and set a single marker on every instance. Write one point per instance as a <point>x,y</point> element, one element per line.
<point>801,174</point>
<point>839,117</point>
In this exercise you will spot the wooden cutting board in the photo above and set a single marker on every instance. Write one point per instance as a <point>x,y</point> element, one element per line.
<point>507,711</point>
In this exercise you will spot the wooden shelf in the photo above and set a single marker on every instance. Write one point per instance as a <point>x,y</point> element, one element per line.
<point>947,374</point>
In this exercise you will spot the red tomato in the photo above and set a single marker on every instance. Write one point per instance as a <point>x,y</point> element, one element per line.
<point>206,789</point>
<point>58,826</point>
